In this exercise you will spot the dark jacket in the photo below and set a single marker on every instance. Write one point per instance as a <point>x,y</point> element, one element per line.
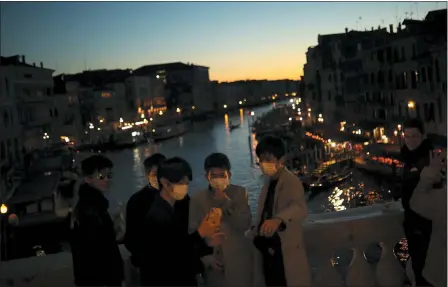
<point>171,256</point>
<point>414,162</point>
<point>136,210</point>
<point>96,258</point>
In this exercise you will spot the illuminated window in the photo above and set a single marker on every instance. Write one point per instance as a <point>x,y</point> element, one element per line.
<point>105,95</point>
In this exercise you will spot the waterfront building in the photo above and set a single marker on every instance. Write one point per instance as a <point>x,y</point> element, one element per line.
<point>145,97</point>
<point>378,78</point>
<point>187,86</point>
<point>27,91</point>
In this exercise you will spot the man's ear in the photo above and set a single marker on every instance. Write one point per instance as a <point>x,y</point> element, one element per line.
<point>87,179</point>
<point>229,173</point>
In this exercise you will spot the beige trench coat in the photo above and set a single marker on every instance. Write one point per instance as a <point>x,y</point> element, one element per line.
<point>236,248</point>
<point>289,206</point>
<point>432,204</point>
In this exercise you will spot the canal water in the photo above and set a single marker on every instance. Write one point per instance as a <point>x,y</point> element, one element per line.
<point>203,139</point>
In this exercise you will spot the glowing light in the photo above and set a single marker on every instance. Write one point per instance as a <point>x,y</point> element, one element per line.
<point>151,119</point>
<point>290,119</point>
<point>411,104</point>
<point>309,109</point>
<point>366,143</point>
<point>399,127</point>
<point>193,107</point>
<point>161,113</point>
<point>252,113</point>
<point>153,130</point>
<point>320,115</point>
<point>333,144</point>
<point>301,118</point>
<point>121,120</point>
<point>142,116</point>
<point>225,106</point>
<point>178,110</point>
<point>240,102</point>
<point>291,100</point>
<point>3,209</point>
<point>395,133</point>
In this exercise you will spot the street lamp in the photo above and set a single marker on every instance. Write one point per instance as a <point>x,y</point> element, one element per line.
<point>225,106</point>
<point>411,104</point>
<point>3,209</point>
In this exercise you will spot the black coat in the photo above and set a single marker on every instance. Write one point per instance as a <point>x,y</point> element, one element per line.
<point>171,256</point>
<point>136,211</point>
<point>96,257</point>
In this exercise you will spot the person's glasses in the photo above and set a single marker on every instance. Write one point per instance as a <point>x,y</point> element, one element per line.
<point>102,176</point>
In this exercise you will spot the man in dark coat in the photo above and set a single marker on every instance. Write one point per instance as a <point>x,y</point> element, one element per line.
<point>171,256</point>
<point>96,257</point>
<point>415,156</point>
<point>138,206</point>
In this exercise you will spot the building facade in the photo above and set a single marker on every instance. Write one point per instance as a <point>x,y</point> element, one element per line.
<point>376,79</point>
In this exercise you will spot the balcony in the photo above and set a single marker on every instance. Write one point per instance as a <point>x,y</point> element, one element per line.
<point>325,234</point>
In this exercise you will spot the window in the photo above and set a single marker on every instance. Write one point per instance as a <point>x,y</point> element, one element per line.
<point>329,78</point>
<point>396,56</point>
<point>414,79</point>
<point>56,114</point>
<point>26,92</point>
<point>105,95</point>
<point>7,86</point>
<point>6,118</point>
<point>329,95</point>
<point>404,80</point>
<point>437,71</point>
<point>39,93</point>
<point>372,78</point>
<point>2,151</point>
<point>413,51</point>
<point>423,73</point>
<point>403,53</point>
<point>48,92</point>
<point>51,113</point>
<point>439,108</point>
<point>429,74</point>
<point>380,77</point>
<point>390,76</point>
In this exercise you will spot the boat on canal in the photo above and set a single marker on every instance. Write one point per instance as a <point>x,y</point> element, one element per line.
<point>329,180</point>
<point>167,130</point>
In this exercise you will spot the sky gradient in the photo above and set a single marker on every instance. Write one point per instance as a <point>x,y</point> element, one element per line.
<point>237,40</point>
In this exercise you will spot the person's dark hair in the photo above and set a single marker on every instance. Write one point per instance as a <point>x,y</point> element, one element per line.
<point>414,123</point>
<point>174,170</point>
<point>95,163</point>
<point>153,160</point>
<point>218,160</point>
<point>271,144</point>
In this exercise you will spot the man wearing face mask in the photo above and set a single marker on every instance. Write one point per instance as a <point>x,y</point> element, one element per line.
<point>138,206</point>
<point>96,258</point>
<point>231,263</point>
<point>281,259</point>
<point>170,255</point>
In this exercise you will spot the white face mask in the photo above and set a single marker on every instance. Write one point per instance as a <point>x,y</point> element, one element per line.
<point>179,191</point>
<point>268,168</point>
<point>154,182</point>
<point>219,183</point>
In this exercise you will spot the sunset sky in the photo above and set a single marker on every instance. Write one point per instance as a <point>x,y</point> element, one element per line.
<point>237,40</point>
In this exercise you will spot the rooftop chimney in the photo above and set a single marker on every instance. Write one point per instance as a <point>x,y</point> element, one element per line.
<point>379,27</point>
<point>391,28</point>
<point>346,30</point>
<point>399,27</point>
<point>23,59</point>
<point>41,64</point>
<point>372,28</point>
<point>34,64</point>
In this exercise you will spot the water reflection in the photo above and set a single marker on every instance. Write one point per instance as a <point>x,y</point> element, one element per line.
<point>241,117</point>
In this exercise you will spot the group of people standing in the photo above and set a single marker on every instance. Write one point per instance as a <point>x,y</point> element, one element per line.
<point>177,239</point>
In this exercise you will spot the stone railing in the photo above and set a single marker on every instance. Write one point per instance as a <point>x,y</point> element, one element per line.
<point>352,229</point>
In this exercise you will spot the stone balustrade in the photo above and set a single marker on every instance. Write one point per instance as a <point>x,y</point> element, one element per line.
<point>352,229</point>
